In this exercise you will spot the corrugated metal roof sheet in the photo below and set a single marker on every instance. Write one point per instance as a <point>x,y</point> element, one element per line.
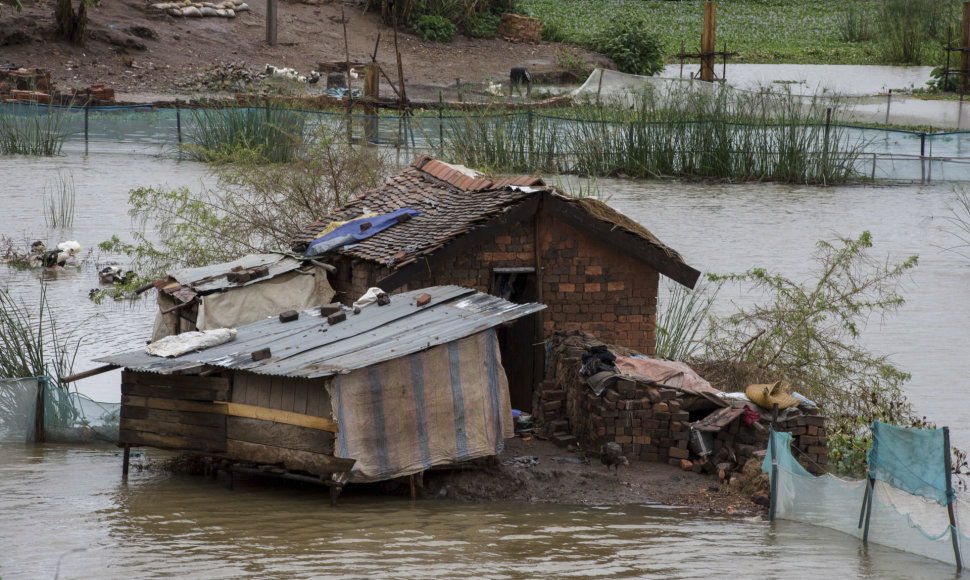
<point>212,278</point>
<point>310,347</point>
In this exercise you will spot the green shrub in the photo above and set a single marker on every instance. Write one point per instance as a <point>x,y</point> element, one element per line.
<point>482,25</point>
<point>435,28</point>
<point>632,47</point>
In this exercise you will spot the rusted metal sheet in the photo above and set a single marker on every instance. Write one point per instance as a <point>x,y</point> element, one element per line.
<point>310,347</point>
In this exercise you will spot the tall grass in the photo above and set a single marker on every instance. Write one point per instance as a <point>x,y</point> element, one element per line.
<point>30,343</point>
<point>854,23</point>
<point>690,131</point>
<point>277,134</point>
<point>59,202</point>
<point>909,30</point>
<point>31,346</point>
<point>33,129</point>
<point>505,143</point>
<point>682,317</point>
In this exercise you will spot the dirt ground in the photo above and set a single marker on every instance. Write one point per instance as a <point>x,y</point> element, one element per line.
<point>147,55</point>
<point>539,471</point>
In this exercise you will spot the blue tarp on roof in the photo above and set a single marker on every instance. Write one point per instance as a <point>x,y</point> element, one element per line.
<point>352,231</point>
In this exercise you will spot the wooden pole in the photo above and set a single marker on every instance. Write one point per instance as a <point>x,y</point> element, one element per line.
<point>350,90</point>
<point>125,462</point>
<point>271,6</point>
<point>39,410</point>
<point>773,482</point>
<point>867,506</point>
<point>707,43</point>
<point>372,90</point>
<point>965,49</point>
<point>949,499</point>
<point>400,68</point>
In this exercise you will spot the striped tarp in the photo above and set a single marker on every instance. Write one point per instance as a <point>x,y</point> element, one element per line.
<point>440,406</point>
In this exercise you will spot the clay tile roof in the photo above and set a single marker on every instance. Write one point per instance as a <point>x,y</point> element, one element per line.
<point>454,201</point>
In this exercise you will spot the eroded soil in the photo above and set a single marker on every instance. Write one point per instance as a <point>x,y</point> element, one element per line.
<point>145,54</point>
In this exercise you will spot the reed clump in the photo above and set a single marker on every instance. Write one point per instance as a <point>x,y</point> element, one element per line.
<point>59,202</point>
<point>687,131</point>
<point>277,134</point>
<point>33,129</point>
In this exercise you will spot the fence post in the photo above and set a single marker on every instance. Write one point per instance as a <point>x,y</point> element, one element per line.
<point>39,410</point>
<point>441,131</point>
<point>178,120</point>
<point>773,482</point>
<point>922,157</point>
<point>87,109</point>
<point>889,102</point>
<point>828,123</point>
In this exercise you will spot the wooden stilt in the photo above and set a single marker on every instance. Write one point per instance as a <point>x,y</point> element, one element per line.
<point>868,508</point>
<point>414,491</point>
<point>334,491</point>
<point>125,462</point>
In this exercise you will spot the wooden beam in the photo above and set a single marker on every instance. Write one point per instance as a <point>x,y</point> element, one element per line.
<point>278,416</point>
<point>172,404</point>
<point>170,416</point>
<point>174,442</point>
<point>87,373</point>
<point>461,244</point>
<point>216,435</point>
<point>280,435</point>
<point>630,244</point>
<point>317,463</point>
<point>136,378</point>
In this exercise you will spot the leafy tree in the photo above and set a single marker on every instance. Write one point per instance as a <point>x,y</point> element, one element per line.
<point>808,333</point>
<point>255,207</point>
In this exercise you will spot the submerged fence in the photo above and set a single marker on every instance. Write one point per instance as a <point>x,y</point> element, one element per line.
<point>906,502</point>
<point>36,409</point>
<point>878,153</point>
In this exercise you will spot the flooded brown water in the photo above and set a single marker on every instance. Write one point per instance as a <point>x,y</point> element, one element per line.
<point>64,511</point>
<point>67,514</point>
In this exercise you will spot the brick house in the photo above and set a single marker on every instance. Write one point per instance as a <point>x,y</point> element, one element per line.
<point>596,269</point>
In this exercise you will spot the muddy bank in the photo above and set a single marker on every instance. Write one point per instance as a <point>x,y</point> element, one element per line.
<point>540,472</point>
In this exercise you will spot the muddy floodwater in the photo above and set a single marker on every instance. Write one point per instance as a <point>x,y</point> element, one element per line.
<point>64,511</point>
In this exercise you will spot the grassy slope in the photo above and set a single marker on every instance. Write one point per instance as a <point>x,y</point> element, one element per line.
<point>795,31</point>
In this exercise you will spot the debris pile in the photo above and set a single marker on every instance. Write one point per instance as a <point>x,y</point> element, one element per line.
<point>661,411</point>
<point>224,77</point>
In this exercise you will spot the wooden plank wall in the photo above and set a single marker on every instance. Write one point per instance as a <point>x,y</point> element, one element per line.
<point>305,396</point>
<point>277,441</point>
<point>174,411</point>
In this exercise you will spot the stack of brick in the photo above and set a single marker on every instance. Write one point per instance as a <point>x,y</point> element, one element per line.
<point>101,93</point>
<point>648,420</point>
<point>21,79</point>
<point>520,28</point>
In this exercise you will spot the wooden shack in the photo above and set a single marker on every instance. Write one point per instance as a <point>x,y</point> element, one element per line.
<point>331,395</point>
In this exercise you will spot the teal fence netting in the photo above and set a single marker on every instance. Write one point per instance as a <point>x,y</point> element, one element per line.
<point>873,510</point>
<point>538,140</point>
<point>66,417</point>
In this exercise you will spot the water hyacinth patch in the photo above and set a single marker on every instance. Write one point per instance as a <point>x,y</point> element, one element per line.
<point>758,30</point>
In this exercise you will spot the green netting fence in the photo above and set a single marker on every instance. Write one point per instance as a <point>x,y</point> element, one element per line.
<point>36,409</point>
<point>538,136</point>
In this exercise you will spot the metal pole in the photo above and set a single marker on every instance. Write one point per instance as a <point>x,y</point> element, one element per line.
<point>87,109</point>
<point>889,102</point>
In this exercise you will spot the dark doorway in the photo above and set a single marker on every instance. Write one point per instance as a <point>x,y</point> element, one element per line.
<point>520,341</point>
